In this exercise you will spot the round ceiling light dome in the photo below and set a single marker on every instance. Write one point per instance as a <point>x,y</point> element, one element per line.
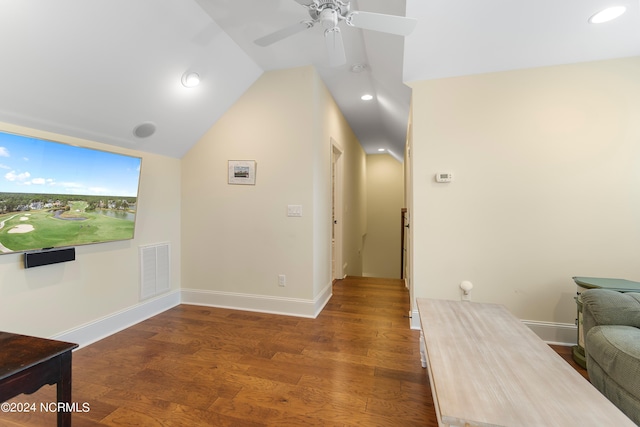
<point>366,97</point>
<point>190,79</point>
<point>607,14</point>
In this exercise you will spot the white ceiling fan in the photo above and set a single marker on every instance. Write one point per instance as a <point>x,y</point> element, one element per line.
<point>329,13</point>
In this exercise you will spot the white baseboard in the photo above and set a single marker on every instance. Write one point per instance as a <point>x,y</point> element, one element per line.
<point>554,333</point>
<point>549,332</point>
<point>101,328</point>
<point>415,320</point>
<point>259,303</point>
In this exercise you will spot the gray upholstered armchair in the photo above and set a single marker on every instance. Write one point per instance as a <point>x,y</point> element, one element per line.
<point>611,322</point>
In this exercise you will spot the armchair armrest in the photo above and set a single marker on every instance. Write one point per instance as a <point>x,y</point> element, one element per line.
<point>607,307</point>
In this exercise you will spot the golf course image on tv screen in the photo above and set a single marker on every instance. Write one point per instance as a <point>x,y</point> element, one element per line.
<point>56,195</point>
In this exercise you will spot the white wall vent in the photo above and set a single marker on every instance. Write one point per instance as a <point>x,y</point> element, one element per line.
<point>155,275</point>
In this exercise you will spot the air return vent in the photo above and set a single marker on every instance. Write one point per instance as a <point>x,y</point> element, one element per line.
<point>154,270</point>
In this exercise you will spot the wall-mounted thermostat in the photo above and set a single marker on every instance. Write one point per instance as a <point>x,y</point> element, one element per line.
<point>444,177</point>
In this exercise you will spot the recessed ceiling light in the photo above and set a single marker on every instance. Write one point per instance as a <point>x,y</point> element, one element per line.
<point>607,14</point>
<point>381,149</point>
<point>366,97</point>
<point>190,79</point>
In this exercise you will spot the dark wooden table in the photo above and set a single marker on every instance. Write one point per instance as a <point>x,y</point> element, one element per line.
<point>27,363</point>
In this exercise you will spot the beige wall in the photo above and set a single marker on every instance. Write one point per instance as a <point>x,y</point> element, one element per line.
<point>385,199</point>
<point>335,127</point>
<point>546,186</point>
<point>354,206</point>
<point>238,239</point>
<point>104,278</point>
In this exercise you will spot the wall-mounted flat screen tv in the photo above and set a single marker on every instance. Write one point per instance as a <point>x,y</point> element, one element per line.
<point>56,195</point>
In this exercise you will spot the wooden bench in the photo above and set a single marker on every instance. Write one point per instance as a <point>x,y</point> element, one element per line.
<point>486,368</point>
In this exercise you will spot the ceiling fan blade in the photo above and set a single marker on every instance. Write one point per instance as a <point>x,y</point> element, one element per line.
<point>283,33</point>
<point>380,22</point>
<point>335,47</point>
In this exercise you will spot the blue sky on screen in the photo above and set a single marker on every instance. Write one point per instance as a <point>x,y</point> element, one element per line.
<point>30,165</point>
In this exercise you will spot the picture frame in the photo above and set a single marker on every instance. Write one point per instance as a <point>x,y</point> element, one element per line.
<point>242,172</point>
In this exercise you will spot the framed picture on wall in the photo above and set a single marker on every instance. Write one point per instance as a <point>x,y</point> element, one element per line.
<point>242,172</point>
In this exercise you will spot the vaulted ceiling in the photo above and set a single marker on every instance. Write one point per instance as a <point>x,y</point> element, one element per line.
<point>99,69</point>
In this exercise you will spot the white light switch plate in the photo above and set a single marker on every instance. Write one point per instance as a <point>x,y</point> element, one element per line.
<point>294,210</point>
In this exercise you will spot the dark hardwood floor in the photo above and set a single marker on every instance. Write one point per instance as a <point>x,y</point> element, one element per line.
<point>566,353</point>
<point>357,364</point>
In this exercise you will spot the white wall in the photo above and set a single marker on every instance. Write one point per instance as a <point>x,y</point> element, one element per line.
<point>546,186</point>
<point>238,239</point>
<point>52,300</point>
<point>385,199</point>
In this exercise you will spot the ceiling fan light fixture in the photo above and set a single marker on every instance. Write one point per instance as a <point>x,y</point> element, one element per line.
<point>329,18</point>
<point>329,13</point>
<point>607,14</point>
<point>366,97</point>
<point>190,79</point>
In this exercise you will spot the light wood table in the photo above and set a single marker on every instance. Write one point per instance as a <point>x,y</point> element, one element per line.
<point>487,368</point>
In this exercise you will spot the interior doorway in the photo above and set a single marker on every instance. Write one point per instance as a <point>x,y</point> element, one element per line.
<point>336,210</point>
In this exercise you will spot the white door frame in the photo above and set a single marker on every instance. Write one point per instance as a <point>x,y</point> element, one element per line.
<point>408,188</point>
<point>337,204</point>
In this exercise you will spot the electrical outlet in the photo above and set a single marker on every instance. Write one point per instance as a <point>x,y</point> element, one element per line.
<point>282,280</point>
